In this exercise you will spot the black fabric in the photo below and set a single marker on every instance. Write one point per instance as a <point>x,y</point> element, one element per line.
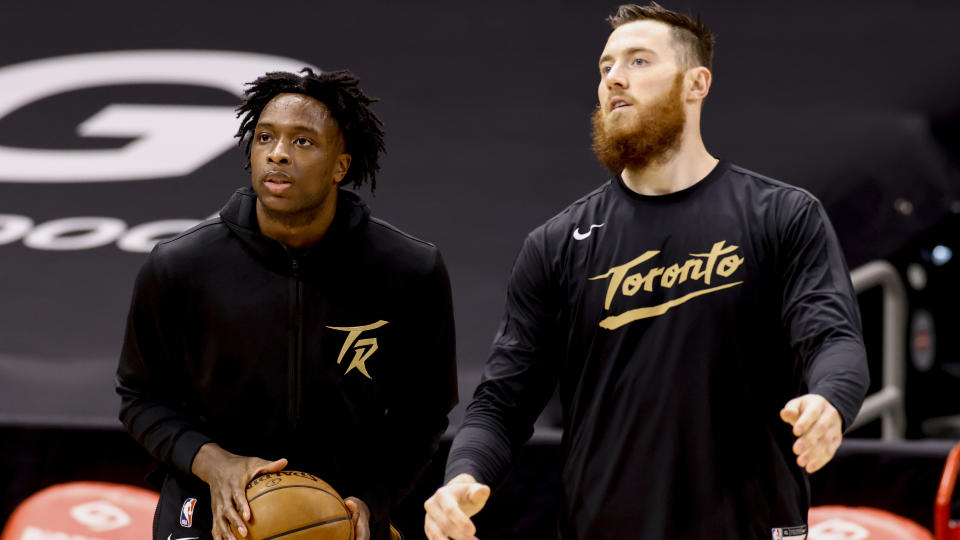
<point>183,510</point>
<point>673,364</point>
<point>232,339</point>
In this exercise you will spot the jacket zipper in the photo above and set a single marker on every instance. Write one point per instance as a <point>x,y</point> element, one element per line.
<point>296,348</point>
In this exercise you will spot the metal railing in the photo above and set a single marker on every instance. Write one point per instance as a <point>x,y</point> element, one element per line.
<point>886,403</point>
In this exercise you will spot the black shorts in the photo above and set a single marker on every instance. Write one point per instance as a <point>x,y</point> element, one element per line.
<point>183,511</point>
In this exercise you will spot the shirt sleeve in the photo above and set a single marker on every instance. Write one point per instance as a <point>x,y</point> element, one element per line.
<point>820,309</point>
<point>150,408</point>
<point>418,410</point>
<point>520,374</point>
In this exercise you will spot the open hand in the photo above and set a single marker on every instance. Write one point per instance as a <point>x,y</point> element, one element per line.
<point>450,508</point>
<point>818,428</point>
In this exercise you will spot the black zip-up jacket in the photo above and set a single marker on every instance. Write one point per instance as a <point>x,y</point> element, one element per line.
<point>339,357</point>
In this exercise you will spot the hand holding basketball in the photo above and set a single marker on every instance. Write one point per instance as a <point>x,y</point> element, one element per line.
<point>227,475</point>
<point>818,428</point>
<point>360,515</point>
<point>296,504</point>
<point>450,508</point>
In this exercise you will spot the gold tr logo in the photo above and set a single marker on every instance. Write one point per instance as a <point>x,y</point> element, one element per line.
<point>363,349</point>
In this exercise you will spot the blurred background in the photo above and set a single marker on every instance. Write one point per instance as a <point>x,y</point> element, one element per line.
<point>116,131</point>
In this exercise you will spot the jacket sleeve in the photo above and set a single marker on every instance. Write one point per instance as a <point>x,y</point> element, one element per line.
<point>417,414</point>
<point>820,309</point>
<point>150,408</point>
<point>520,375</point>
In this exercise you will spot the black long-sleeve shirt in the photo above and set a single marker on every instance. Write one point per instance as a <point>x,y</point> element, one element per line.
<point>340,357</point>
<point>677,326</point>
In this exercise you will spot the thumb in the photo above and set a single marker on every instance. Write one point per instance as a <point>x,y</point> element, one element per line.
<point>791,411</point>
<point>354,512</point>
<point>274,466</point>
<point>473,498</point>
<point>478,495</point>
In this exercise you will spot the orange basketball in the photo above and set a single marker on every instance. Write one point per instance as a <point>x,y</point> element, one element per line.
<point>294,505</point>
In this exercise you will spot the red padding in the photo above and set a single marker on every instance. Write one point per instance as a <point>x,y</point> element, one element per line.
<point>862,523</point>
<point>82,511</point>
<point>946,528</point>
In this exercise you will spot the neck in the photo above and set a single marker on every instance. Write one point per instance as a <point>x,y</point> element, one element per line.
<point>298,231</point>
<point>682,168</point>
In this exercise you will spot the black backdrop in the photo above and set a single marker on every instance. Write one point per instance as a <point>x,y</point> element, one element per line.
<point>486,111</point>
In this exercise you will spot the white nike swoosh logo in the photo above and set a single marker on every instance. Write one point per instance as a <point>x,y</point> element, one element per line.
<point>577,235</point>
<point>170,537</point>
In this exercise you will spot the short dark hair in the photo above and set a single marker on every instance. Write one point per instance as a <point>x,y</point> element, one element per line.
<point>694,40</point>
<point>362,130</point>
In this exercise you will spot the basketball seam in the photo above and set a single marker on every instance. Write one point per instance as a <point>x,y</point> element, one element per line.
<point>307,526</point>
<point>334,495</point>
<point>285,487</point>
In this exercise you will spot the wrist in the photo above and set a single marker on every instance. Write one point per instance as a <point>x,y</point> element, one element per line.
<point>204,462</point>
<point>462,478</point>
<point>377,501</point>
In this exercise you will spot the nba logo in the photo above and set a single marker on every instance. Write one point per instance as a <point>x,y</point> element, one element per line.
<point>777,533</point>
<point>186,513</point>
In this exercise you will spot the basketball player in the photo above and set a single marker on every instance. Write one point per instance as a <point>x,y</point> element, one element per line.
<point>698,317</point>
<point>294,330</point>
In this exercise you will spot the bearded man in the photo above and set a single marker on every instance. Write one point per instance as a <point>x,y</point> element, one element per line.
<point>698,318</point>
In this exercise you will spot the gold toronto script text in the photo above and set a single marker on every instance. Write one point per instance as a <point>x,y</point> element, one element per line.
<point>700,267</point>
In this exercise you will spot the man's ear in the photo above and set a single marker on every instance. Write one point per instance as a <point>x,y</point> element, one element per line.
<point>698,83</point>
<point>341,168</point>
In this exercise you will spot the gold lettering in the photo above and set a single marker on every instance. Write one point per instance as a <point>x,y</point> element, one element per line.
<point>699,267</point>
<point>690,264</point>
<point>670,276</point>
<point>728,265</point>
<point>617,273</point>
<point>650,278</point>
<point>632,284</point>
<point>364,347</point>
<point>715,252</point>
<point>616,321</point>
<point>635,282</point>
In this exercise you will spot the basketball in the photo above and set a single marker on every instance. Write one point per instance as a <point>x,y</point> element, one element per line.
<point>295,505</point>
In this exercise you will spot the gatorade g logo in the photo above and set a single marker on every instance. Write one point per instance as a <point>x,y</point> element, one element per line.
<point>186,512</point>
<point>159,150</point>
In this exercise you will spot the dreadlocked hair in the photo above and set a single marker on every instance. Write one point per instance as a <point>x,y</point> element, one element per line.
<point>362,130</point>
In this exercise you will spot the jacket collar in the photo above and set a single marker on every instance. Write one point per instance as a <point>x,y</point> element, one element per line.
<point>240,216</point>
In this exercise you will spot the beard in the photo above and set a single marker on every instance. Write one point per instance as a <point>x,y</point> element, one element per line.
<point>648,137</point>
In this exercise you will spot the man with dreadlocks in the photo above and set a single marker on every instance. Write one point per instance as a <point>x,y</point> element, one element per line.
<point>293,330</point>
